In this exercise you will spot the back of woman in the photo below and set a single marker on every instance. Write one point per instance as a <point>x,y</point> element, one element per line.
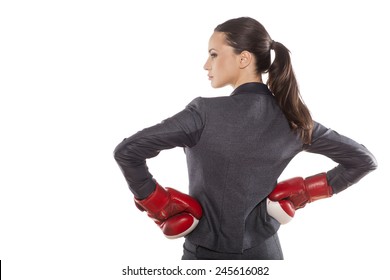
<point>245,144</point>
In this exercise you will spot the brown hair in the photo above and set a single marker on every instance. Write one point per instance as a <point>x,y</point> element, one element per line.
<point>247,34</point>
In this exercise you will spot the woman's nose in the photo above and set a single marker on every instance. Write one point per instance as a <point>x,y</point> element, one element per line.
<point>206,66</point>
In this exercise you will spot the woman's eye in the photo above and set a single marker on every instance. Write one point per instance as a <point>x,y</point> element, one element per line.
<point>213,55</point>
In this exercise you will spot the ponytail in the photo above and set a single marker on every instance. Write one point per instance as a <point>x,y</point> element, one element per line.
<point>284,86</point>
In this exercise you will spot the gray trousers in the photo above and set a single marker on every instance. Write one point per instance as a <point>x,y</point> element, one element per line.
<point>270,249</point>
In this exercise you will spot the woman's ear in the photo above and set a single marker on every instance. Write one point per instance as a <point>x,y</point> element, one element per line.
<point>245,59</point>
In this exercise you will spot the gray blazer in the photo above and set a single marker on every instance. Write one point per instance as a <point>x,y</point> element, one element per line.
<point>236,148</point>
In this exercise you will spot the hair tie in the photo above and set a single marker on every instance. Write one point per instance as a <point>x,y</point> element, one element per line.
<point>272,45</point>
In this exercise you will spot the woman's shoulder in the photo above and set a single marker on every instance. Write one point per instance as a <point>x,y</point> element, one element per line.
<point>206,102</point>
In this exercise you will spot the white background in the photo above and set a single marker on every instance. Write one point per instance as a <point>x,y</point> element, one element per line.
<point>76,77</point>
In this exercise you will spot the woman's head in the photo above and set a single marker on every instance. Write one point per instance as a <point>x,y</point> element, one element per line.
<point>247,34</point>
<point>240,51</point>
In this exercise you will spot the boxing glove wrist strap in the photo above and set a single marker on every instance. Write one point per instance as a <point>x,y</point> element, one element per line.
<point>156,201</point>
<point>317,187</point>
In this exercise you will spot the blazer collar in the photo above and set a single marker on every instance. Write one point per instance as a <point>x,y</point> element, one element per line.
<point>253,87</point>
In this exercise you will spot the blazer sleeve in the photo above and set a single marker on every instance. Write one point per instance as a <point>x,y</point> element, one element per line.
<point>181,130</point>
<point>354,160</point>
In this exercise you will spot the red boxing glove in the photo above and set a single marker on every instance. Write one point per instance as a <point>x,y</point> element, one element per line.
<point>295,193</point>
<point>176,213</point>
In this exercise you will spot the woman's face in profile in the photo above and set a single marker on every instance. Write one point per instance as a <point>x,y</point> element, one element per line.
<point>222,63</point>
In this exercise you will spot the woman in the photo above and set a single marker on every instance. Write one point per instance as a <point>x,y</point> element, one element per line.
<point>236,147</point>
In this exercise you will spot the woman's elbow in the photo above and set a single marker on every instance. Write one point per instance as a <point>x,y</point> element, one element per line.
<point>119,151</point>
<point>368,163</point>
<point>373,164</point>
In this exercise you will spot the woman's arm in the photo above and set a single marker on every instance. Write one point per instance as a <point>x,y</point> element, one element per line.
<point>181,130</point>
<point>354,160</point>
